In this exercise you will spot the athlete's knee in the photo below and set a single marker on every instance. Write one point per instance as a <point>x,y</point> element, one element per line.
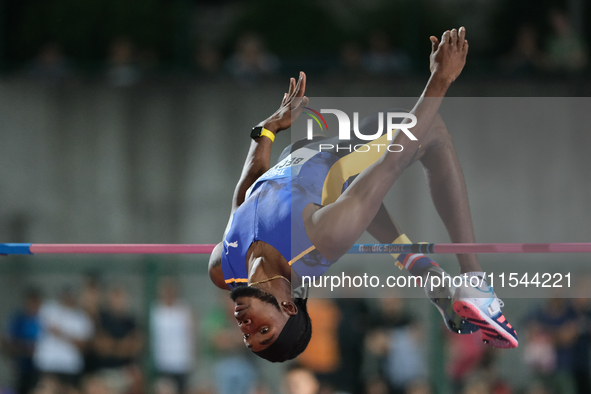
<point>327,244</point>
<point>330,245</point>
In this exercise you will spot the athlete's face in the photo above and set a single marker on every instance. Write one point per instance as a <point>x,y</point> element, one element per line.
<point>259,317</point>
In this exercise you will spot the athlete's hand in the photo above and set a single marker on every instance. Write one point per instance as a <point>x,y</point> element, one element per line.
<point>448,57</point>
<point>292,105</point>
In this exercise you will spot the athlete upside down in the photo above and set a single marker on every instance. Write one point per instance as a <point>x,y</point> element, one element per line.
<point>302,220</point>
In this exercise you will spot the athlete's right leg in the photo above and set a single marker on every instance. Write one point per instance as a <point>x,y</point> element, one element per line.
<point>334,228</point>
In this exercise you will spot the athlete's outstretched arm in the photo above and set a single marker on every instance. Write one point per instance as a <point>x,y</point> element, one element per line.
<point>334,228</point>
<point>259,155</point>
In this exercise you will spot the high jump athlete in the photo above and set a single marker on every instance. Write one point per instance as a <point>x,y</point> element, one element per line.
<point>306,218</point>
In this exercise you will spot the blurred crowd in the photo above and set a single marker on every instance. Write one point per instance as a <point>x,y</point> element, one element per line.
<point>90,341</point>
<point>560,51</point>
<point>563,52</point>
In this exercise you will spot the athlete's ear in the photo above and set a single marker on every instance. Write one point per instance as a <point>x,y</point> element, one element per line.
<point>289,307</point>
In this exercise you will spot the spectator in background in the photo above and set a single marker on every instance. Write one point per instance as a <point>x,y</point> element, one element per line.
<point>233,371</point>
<point>582,348</point>
<point>251,61</point>
<point>117,344</point>
<point>90,296</point>
<point>300,380</point>
<point>322,356</point>
<point>553,327</point>
<point>419,387</point>
<point>382,60</point>
<point>23,332</point>
<point>477,385</point>
<point>482,373</point>
<point>51,385</point>
<point>208,60</point>
<point>406,358</point>
<point>565,49</point>
<point>173,335</point>
<point>147,62</point>
<point>122,69</point>
<point>351,60</point>
<point>50,66</point>
<point>465,354</point>
<point>94,385</point>
<point>525,56</point>
<point>90,300</point>
<point>66,331</point>
<point>375,385</point>
<point>383,350</point>
<point>166,386</point>
<point>352,328</point>
<point>537,387</point>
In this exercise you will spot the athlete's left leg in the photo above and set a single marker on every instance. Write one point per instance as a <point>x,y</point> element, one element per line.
<point>476,304</point>
<point>447,187</point>
<point>448,191</point>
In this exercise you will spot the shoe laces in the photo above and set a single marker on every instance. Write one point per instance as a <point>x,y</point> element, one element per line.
<point>501,303</point>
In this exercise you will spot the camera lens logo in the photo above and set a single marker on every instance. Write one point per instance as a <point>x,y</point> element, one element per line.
<point>314,115</point>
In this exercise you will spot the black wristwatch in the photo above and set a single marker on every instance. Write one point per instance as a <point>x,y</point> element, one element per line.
<point>260,131</point>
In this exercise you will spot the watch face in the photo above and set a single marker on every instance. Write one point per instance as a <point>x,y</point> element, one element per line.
<point>256,132</point>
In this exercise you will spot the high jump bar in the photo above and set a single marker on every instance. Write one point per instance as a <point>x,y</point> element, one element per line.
<point>427,248</point>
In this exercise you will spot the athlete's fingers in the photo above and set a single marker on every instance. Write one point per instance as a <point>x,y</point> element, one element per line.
<point>302,85</point>
<point>301,88</point>
<point>453,37</point>
<point>291,86</point>
<point>296,88</point>
<point>284,99</point>
<point>434,44</point>
<point>445,38</point>
<point>298,93</point>
<point>465,48</point>
<point>461,37</point>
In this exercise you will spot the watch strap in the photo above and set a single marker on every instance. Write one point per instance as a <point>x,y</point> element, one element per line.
<point>268,134</point>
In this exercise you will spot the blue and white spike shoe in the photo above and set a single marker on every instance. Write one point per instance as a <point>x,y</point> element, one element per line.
<point>483,308</point>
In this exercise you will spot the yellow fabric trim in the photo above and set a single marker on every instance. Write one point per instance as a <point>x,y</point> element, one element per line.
<point>268,134</point>
<point>351,165</point>
<point>239,280</point>
<point>299,256</point>
<point>403,239</point>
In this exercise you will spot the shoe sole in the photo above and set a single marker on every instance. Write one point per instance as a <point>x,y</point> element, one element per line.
<point>492,333</point>
<point>453,321</point>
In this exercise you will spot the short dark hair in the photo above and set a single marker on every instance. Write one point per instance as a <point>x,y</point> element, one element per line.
<point>305,335</point>
<point>254,292</point>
